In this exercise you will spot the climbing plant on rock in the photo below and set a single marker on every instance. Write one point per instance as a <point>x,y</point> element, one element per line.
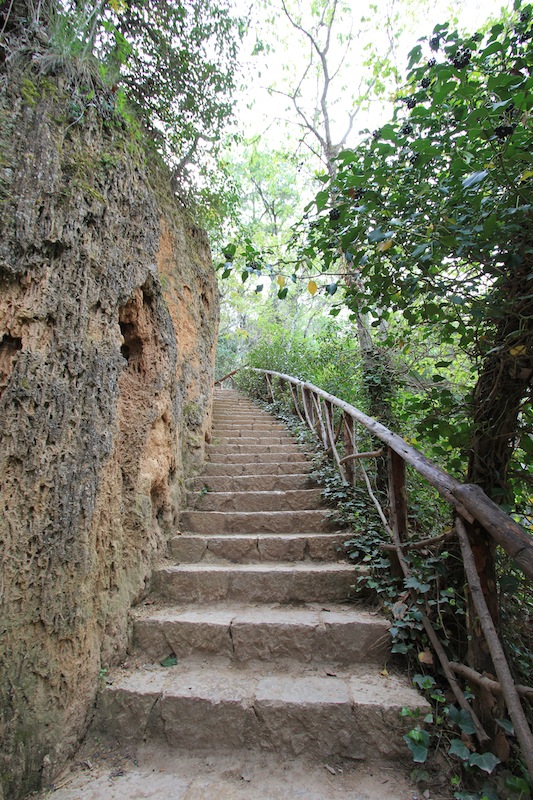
<point>175,62</point>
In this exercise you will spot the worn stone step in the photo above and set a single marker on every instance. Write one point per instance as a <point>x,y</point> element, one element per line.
<point>244,483</point>
<point>259,457</point>
<point>261,432</point>
<point>338,634</point>
<point>220,522</point>
<point>158,772</point>
<point>242,548</point>
<point>238,414</point>
<point>257,468</point>
<point>256,583</point>
<point>291,712</point>
<point>285,448</point>
<point>288,500</point>
<point>249,428</point>
<point>251,439</point>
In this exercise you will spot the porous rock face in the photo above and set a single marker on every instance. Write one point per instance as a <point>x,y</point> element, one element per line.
<point>108,317</point>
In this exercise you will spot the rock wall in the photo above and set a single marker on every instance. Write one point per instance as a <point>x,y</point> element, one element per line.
<point>108,318</point>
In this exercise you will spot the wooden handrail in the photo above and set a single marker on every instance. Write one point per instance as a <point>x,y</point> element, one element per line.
<point>469,501</point>
<point>226,377</point>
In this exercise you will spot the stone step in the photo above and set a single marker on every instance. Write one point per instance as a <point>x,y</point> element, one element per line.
<point>253,439</point>
<point>260,457</point>
<point>338,634</point>
<point>243,483</point>
<point>256,468</point>
<point>156,771</point>
<point>251,419</point>
<point>285,448</point>
<point>247,427</point>
<point>290,712</point>
<point>256,583</point>
<point>220,522</point>
<point>289,500</point>
<point>239,548</point>
<point>238,413</point>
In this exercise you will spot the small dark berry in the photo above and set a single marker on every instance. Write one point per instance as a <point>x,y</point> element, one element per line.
<point>407,129</point>
<point>524,16</point>
<point>376,134</point>
<point>434,42</point>
<point>461,58</point>
<point>424,83</point>
<point>334,214</point>
<point>411,102</point>
<point>503,131</point>
<point>431,62</point>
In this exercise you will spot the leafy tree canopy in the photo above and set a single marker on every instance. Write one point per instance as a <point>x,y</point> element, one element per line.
<point>175,62</point>
<point>429,220</point>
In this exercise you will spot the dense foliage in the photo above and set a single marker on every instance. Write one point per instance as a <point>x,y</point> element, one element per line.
<point>431,219</point>
<point>174,62</point>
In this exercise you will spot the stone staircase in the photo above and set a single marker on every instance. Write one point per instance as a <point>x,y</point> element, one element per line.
<point>262,650</point>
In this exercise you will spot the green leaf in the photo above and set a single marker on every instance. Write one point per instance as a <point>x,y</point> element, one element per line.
<point>170,661</point>
<point>474,178</point>
<point>414,56</point>
<point>417,741</point>
<point>424,681</point>
<point>226,273</point>
<point>321,199</point>
<point>506,725</point>
<point>347,156</point>
<point>484,761</point>
<point>461,718</point>
<point>399,647</point>
<point>377,235</point>
<point>418,251</point>
<point>457,748</point>
<point>414,583</point>
<point>229,251</point>
<point>282,294</point>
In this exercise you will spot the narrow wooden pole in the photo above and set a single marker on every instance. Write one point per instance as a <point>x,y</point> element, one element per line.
<point>331,436</point>
<point>397,494</point>
<point>294,393</point>
<point>307,410</point>
<point>512,700</point>
<point>320,427</point>
<point>269,384</point>
<point>348,439</point>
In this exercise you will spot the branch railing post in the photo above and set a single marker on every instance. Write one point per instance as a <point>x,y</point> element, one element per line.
<point>397,494</point>
<point>320,426</point>
<point>294,393</point>
<point>307,409</point>
<point>397,490</point>
<point>349,448</point>
<point>269,385</point>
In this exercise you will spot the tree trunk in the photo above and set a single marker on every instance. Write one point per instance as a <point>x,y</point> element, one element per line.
<point>504,383</point>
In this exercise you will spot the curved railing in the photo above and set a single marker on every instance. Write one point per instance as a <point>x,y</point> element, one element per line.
<point>334,421</point>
